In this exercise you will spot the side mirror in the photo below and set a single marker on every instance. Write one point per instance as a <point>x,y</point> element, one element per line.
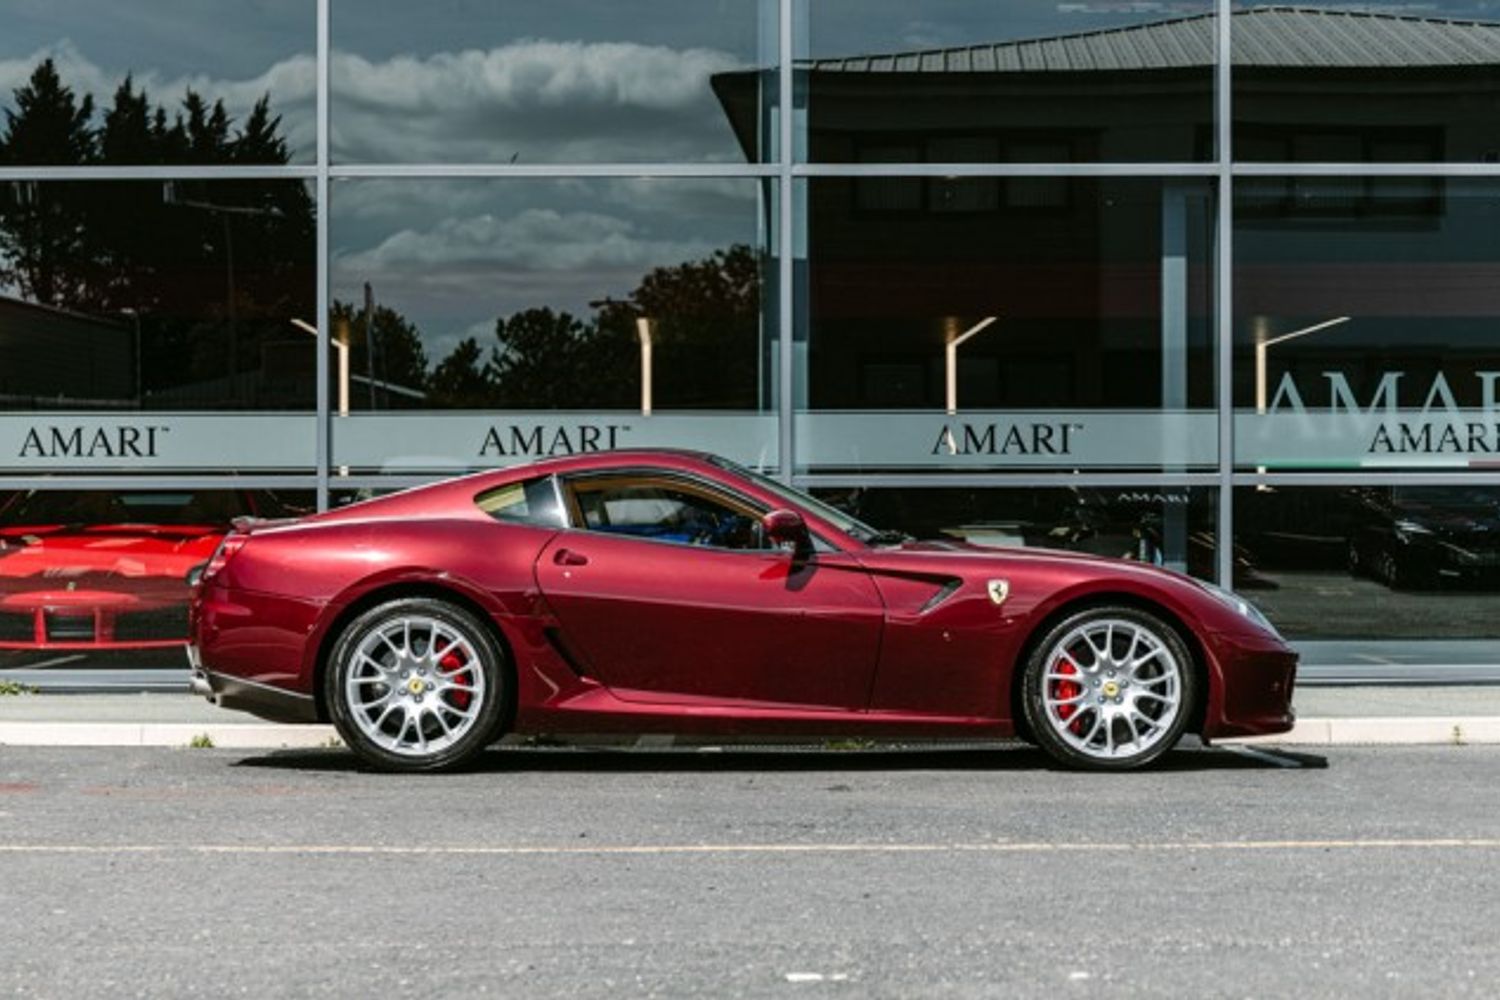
<point>786,529</point>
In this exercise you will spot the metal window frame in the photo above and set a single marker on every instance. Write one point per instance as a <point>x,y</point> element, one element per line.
<point>781,175</point>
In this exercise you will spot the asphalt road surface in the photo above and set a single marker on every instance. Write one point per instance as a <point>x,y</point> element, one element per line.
<point>1371,872</point>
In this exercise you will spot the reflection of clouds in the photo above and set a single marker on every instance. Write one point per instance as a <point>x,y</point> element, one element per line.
<point>532,239</point>
<point>454,255</point>
<point>535,100</point>
<point>292,84</point>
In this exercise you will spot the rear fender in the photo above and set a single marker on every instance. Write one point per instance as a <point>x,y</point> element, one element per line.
<point>394,580</point>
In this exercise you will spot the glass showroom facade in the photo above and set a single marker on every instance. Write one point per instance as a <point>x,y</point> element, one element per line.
<point>1207,284</point>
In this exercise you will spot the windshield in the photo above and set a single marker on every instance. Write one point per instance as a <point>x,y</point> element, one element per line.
<point>1440,497</point>
<point>98,507</point>
<point>850,526</point>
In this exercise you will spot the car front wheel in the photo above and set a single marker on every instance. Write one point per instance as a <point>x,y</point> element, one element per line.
<point>1109,688</point>
<point>416,685</point>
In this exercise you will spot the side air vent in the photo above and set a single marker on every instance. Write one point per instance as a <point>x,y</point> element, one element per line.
<point>560,645</point>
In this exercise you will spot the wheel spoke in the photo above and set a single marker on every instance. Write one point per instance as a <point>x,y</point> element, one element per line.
<point>1132,650</point>
<point>387,712</point>
<point>1135,665</point>
<point>1094,730</point>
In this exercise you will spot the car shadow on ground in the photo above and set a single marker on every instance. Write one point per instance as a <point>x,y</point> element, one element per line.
<point>633,760</point>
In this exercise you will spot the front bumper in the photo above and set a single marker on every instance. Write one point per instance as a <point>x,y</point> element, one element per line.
<point>1253,695</point>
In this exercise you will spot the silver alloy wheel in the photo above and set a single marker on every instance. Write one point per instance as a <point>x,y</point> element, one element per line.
<point>1112,688</point>
<point>415,685</point>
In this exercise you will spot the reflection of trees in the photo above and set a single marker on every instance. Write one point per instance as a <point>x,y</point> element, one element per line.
<point>706,317</point>
<point>384,354</point>
<point>169,254</point>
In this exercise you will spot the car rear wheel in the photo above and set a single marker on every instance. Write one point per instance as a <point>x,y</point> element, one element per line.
<point>416,685</point>
<point>1110,688</point>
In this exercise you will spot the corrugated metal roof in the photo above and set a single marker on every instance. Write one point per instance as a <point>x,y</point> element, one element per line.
<point>1272,36</point>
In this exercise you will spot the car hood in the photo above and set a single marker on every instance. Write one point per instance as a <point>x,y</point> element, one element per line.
<point>122,550</point>
<point>957,556</point>
<point>1484,522</point>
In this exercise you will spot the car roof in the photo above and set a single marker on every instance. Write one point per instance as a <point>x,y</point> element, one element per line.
<point>679,458</point>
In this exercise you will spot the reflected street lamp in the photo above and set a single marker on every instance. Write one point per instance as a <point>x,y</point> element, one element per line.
<point>645,331</point>
<point>1262,347</point>
<point>644,326</point>
<point>342,346</point>
<point>950,359</point>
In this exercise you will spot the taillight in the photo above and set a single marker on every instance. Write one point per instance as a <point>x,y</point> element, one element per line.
<point>231,544</point>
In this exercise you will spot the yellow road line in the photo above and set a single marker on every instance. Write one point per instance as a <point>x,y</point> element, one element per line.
<point>997,847</point>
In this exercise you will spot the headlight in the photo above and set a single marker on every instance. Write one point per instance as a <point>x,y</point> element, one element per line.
<point>1241,605</point>
<point>1405,529</point>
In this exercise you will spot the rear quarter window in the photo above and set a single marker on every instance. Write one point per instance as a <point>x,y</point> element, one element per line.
<point>532,501</point>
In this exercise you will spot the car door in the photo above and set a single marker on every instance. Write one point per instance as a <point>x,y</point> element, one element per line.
<point>665,587</point>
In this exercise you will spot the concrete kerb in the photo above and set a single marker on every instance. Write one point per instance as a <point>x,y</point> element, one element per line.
<point>1323,732</point>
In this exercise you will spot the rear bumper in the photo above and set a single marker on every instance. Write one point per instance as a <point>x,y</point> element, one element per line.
<point>262,700</point>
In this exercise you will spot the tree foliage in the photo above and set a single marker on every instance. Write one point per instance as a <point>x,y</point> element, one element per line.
<point>211,272</point>
<point>704,318</point>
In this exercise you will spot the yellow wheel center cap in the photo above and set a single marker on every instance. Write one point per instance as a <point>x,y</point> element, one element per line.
<point>1111,689</point>
<point>415,686</point>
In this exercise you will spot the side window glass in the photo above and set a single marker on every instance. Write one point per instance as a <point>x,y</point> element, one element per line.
<point>530,502</point>
<point>666,512</point>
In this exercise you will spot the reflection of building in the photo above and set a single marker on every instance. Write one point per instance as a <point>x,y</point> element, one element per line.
<point>1311,84</point>
<point>56,359</point>
<point>1081,270</point>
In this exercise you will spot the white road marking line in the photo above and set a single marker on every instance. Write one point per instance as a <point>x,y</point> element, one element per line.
<point>997,847</point>
<point>1263,755</point>
<point>46,663</point>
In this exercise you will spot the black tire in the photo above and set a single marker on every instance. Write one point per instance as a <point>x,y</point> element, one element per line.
<point>487,720</point>
<point>1391,572</point>
<point>1355,563</point>
<point>1045,730</point>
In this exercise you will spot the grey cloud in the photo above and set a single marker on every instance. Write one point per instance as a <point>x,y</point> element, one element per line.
<point>532,239</point>
<point>538,100</point>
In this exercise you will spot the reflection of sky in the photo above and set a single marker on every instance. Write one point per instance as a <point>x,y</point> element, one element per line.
<point>857,27</point>
<point>540,80</point>
<point>453,255</point>
<point>234,49</point>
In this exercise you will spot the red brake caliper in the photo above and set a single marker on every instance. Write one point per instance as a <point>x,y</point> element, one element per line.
<point>1065,691</point>
<point>458,699</point>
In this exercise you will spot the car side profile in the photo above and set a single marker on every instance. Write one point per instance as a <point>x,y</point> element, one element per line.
<point>652,591</point>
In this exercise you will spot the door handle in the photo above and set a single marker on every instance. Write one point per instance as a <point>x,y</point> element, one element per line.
<point>567,557</point>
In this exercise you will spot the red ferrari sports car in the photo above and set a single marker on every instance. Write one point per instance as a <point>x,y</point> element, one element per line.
<point>664,591</point>
<point>94,570</point>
